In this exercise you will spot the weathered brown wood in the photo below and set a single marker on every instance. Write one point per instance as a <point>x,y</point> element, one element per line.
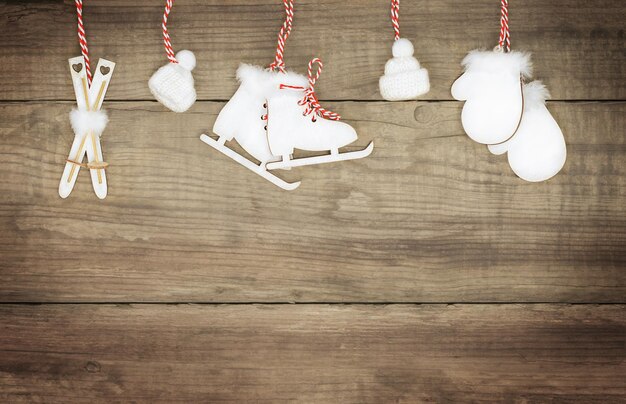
<point>430,217</point>
<point>578,45</point>
<point>313,353</point>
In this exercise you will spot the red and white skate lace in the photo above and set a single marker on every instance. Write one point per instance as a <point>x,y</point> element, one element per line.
<point>310,100</point>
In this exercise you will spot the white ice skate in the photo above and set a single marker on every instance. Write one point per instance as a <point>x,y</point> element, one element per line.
<point>296,120</point>
<point>244,119</point>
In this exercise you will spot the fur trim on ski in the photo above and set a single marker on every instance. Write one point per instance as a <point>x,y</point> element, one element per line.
<point>88,121</point>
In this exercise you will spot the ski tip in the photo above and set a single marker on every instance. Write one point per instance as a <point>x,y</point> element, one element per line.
<point>65,188</point>
<point>101,192</point>
<point>369,148</point>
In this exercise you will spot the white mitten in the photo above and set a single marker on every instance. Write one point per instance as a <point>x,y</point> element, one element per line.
<point>404,79</point>
<point>172,85</point>
<point>492,90</point>
<point>537,151</point>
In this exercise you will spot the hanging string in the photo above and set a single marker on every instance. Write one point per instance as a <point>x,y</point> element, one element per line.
<point>82,38</point>
<point>310,98</point>
<point>166,35</point>
<point>285,30</point>
<point>505,34</point>
<point>395,18</point>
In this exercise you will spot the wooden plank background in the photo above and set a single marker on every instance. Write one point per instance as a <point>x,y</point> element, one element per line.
<point>578,45</point>
<point>429,217</point>
<point>94,295</point>
<point>313,353</point>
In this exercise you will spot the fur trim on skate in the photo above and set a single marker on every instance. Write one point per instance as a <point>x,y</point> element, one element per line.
<point>258,79</point>
<point>535,94</point>
<point>489,60</point>
<point>88,121</point>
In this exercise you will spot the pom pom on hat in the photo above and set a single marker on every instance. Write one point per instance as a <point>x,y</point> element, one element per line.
<point>172,85</point>
<point>402,48</point>
<point>404,79</point>
<point>186,59</point>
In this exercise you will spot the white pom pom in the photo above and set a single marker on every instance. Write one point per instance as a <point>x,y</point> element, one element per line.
<point>186,59</point>
<point>84,122</point>
<point>402,48</point>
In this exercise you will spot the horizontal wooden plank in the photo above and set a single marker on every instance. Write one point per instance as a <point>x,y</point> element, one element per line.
<point>430,217</point>
<point>578,45</point>
<point>312,353</point>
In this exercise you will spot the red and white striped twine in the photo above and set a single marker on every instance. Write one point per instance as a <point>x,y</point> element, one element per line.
<point>395,18</point>
<point>166,36</point>
<point>285,30</point>
<point>310,98</point>
<point>505,35</point>
<point>82,38</point>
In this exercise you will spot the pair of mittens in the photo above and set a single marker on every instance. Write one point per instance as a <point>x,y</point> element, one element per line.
<point>502,112</point>
<point>537,151</point>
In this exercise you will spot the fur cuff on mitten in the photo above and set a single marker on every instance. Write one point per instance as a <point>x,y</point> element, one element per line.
<point>404,79</point>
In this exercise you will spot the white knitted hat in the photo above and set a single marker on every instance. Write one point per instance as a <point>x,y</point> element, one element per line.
<point>172,85</point>
<point>403,78</point>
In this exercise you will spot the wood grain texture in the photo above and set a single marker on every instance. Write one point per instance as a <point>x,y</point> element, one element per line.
<point>578,45</point>
<point>317,353</point>
<point>430,217</point>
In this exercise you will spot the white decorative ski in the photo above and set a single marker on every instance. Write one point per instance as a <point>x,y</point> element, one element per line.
<point>87,142</point>
<point>327,158</point>
<point>258,169</point>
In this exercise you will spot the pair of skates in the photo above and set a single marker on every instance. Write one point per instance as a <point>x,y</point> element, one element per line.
<point>271,114</point>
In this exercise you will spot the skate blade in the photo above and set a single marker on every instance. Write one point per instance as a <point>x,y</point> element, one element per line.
<point>328,158</point>
<point>288,186</point>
